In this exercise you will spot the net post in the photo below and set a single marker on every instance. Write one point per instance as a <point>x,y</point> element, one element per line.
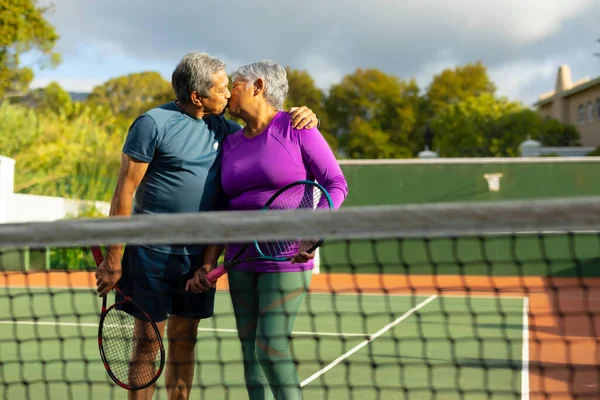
<point>46,258</point>
<point>7,183</point>
<point>25,260</point>
<point>316,269</point>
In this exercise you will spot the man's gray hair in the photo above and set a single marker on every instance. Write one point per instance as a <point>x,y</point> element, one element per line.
<point>273,76</point>
<point>195,72</point>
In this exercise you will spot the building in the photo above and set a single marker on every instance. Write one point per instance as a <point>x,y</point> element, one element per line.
<point>575,103</point>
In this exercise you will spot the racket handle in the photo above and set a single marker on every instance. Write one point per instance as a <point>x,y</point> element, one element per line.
<point>97,253</point>
<point>216,273</point>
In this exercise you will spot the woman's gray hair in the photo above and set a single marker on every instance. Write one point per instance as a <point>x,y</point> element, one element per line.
<point>272,74</point>
<point>195,72</point>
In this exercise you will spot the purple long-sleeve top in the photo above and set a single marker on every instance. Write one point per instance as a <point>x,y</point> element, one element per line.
<point>253,169</point>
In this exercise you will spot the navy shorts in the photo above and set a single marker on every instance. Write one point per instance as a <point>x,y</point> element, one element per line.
<point>156,282</point>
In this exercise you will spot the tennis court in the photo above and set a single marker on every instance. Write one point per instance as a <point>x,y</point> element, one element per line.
<point>348,346</point>
<point>391,315</point>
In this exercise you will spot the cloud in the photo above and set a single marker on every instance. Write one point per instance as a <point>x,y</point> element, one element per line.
<point>430,69</point>
<point>516,22</point>
<point>516,39</point>
<point>516,75</point>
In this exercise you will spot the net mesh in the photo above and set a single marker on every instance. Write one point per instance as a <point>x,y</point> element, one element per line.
<point>455,301</point>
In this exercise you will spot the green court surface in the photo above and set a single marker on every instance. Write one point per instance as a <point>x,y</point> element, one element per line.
<point>550,254</point>
<point>347,347</point>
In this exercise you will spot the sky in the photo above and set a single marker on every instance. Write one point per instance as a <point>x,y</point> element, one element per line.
<point>521,42</point>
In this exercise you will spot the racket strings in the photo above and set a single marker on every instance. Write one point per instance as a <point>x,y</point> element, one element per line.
<point>297,197</point>
<point>132,352</point>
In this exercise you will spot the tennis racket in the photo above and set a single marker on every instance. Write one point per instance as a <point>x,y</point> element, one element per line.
<point>295,196</point>
<point>120,340</point>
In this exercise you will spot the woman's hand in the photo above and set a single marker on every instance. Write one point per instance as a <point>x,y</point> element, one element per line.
<point>302,257</point>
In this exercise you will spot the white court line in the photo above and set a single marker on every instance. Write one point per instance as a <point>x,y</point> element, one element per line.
<point>491,295</point>
<point>525,352</point>
<point>367,341</point>
<point>90,325</point>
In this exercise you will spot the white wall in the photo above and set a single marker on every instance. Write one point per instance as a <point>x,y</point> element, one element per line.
<point>7,183</point>
<point>16,207</point>
<point>28,208</point>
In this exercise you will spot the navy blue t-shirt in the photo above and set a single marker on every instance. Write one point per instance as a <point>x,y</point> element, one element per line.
<point>184,157</point>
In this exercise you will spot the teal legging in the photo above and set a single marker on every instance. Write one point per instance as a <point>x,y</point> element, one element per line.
<point>265,307</point>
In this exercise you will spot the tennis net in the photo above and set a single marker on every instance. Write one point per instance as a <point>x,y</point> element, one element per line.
<point>488,300</point>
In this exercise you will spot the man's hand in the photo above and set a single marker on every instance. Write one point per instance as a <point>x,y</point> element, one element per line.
<point>199,283</point>
<point>303,257</point>
<point>107,276</point>
<point>303,118</point>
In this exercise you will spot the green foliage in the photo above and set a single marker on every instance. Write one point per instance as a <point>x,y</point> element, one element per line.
<point>73,258</point>
<point>56,156</point>
<point>51,99</point>
<point>513,128</point>
<point>76,258</point>
<point>23,28</point>
<point>304,92</point>
<point>132,95</point>
<point>517,126</point>
<point>454,85</point>
<point>555,133</point>
<point>595,153</point>
<point>371,105</point>
<point>365,141</point>
<point>468,128</point>
<point>485,126</point>
<point>72,149</point>
<point>20,130</point>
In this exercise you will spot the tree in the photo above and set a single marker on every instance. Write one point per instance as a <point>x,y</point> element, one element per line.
<point>371,104</point>
<point>556,133</point>
<point>23,28</point>
<point>304,92</point>
<point>519,125</point>
<point>469,129</point>
<point>53,98</point>
<point>364,141</point>
<point>133,94</point>
<point>486,126</point>
<point>454,85</point>
<point>595,153</point>
<point>56,156</point>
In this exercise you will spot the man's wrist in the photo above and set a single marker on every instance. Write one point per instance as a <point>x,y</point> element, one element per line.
<point>208,267</point>
<point>113,255</point>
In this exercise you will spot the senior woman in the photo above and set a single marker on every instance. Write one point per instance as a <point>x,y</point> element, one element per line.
<point>258,160</point>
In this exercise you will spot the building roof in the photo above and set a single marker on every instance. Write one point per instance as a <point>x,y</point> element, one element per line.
<point>575,89</point>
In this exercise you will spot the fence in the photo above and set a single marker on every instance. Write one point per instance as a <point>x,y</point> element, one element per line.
<point>417,181</point>
<point>379,182</point>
